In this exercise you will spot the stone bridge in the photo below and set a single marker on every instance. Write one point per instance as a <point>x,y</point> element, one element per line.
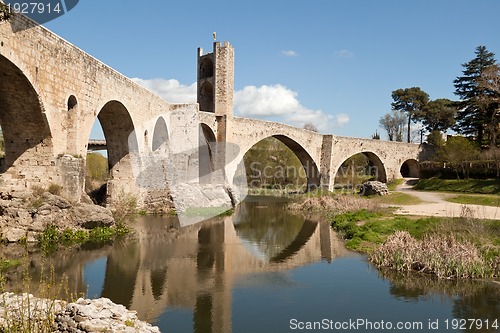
<point>51,94</point>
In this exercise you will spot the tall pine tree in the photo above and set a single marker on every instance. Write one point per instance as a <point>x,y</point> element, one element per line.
<point>471,117</point>
<point>410,101</point>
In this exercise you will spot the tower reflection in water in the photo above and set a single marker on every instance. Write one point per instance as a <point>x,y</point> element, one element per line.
<point>196,267</point>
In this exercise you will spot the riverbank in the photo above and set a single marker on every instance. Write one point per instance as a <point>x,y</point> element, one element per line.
<point>26,313</point>
<point>24,216</point>
<point>459,245</point>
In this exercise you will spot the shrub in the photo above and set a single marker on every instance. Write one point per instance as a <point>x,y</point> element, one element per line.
<point>55,189</point>
<point>443,256</point>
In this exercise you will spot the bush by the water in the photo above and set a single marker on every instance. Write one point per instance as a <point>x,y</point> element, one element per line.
<point>443,256</point>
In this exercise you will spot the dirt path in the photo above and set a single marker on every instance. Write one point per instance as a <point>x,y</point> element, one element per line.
<point>435,205</point>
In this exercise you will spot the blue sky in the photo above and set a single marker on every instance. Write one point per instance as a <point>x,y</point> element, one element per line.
<point>331,62</point>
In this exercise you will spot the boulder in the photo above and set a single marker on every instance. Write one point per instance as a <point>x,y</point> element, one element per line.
<point>92,216</point>
<point>55,200</point>
<point>373,188</point>
<point>13,235</point>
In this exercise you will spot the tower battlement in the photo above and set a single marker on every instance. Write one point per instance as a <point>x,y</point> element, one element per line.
<point>216,79</point>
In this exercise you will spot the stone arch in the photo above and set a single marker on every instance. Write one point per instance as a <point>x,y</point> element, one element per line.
<point>410,169</point>
<point>121,140</point>
<point>206,68</point>
<point>26,131</point>
<point>160,136</point>
<point>72,125</point>
<point>376,168</point>
<point>206,97</point>
<point>206,152</point>
<point>309,165</point>
<point>207,132</point>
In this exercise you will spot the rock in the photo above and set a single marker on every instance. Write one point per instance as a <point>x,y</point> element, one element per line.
<point>44,210</point>
<point>84,315</point>
<point>373,187</point>
<point>13,235</point>
<point>55,200</point>
<point>92,216</point>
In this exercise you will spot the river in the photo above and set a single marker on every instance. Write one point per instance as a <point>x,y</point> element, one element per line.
<point>264,269</point>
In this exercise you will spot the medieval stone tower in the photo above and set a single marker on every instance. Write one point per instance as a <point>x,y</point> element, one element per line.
<point>216,85</point>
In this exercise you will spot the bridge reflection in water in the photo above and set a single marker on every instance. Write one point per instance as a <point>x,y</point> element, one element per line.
<point>196,268</point>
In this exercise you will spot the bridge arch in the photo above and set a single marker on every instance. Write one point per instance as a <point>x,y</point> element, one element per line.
<point>410,168</point>
<point>26,131</point>
<point>119,132</point>
<point>206,154</point>
<point>375,169</point>
<point>72,125</point>
<point>160,136</point>
<point>308,163</point>
<point>309,166</point>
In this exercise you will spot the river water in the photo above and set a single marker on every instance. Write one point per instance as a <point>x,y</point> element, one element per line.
<point>264,269</point>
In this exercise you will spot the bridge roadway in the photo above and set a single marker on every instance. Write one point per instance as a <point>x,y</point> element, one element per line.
<point>51,93</point>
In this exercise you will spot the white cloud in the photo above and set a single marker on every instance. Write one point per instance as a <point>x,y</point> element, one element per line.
<point>170,90</point>
<point>281,104</point>
<point>275,102</point>
<point>344,54</point>
<point>289,53</point>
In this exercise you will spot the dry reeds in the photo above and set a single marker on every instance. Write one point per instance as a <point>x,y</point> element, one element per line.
<point>336,203</point>
<point>443,256</point>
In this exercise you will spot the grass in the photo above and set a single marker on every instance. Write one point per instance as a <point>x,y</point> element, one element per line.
<point>442,255</point>
<point>477,199</point>
<point>441,242</point>
<point>51,237</point>
<point>25,313</point>
<point>6,264</point>
<point>397,198</point>
<point>392,185</point>
<point>364,230</point>
<point>482,186</point>
<point>209,211</point>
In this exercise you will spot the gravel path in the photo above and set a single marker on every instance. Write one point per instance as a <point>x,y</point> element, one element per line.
<point>435,205</point>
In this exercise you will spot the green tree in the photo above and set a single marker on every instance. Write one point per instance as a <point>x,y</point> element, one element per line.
<point>270,163</point>
<point>489,82</point>
<point>97,167</point>
<point>411,102</point>
<point>376,136</point>
<point>439,115</point>
<point>435,138</point>
<point>457,153</point>
<point>393,123</point>
<point>471,117</point>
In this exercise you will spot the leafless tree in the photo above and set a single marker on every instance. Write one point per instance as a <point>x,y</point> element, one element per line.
<point>310,127</point>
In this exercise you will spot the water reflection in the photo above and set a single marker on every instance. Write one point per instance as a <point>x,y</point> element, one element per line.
<point>470,299</point>
<point>251,272</point>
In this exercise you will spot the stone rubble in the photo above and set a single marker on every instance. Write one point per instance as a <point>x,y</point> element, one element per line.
<point>82,316</point>
<point>373,188</point>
